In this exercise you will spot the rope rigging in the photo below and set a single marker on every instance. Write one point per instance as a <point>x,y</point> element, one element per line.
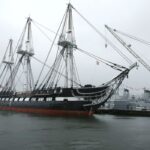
<point>54,70</point>
<point>7,64</point>
<point>35,22</point>
<point>42,32</point>
<point>133,37</point>
<point>128,47</point>
<point>104,37</point>
<point>112,65</point>
<point>49,53</point>
<point>48,77</point>
<point>25,50</point>
<point>63,66</point>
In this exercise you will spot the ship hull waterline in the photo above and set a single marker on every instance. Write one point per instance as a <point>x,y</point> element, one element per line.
<point>48,112</point>
<point>51,108</point>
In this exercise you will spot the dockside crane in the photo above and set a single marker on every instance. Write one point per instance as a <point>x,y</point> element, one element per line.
<point>128,47</point>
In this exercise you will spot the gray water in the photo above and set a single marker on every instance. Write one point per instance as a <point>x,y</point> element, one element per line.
<point>101,132</point>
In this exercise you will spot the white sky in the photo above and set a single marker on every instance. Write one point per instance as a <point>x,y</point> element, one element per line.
<point>129,16</point>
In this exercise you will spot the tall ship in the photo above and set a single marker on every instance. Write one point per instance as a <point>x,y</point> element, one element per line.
<point>58,91</point>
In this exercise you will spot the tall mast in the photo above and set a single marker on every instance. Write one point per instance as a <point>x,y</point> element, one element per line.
<point>67,41</point>
<point>7,63</point>
<point>26,51</point>
<point>64,64</point>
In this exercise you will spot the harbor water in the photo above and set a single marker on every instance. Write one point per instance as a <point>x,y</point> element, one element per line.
<point>101,132</point>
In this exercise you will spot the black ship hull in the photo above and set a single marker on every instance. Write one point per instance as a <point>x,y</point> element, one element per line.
<point>58,101</point>
<point>52,108</point>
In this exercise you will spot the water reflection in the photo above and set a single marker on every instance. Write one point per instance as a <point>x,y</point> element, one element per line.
<point>106,132</point>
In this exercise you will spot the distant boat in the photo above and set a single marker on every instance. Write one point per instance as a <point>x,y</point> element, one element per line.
<point>49,97</point>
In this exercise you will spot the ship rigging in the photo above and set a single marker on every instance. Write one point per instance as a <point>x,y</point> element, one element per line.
<point>48,95</point>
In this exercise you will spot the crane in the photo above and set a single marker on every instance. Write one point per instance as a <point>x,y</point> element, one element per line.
<point>128,47</point>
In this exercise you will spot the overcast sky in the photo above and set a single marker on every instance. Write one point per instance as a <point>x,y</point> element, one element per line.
<point>129,16</point>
